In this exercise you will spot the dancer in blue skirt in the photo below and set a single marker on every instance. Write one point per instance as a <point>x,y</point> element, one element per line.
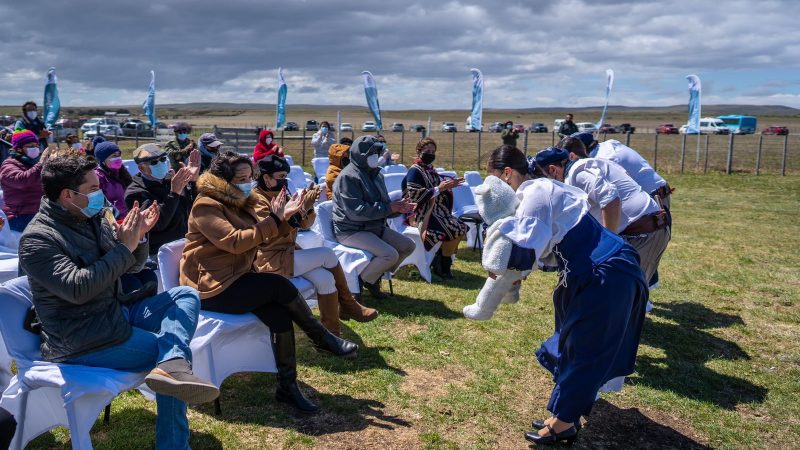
<point>600,299</point>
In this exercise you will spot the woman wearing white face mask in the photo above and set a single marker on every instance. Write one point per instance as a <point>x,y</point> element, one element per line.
<point>30,121</point>
<point>21,179</point>
<point>323,139</point>
<point>114,177</point>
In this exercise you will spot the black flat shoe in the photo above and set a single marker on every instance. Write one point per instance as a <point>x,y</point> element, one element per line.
<point>569,435</point>
<point>539,424</point>
<point>374,289</point>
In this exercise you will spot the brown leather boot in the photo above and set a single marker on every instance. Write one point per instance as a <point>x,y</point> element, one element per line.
<point>349,308</point>
<point>328,305</point>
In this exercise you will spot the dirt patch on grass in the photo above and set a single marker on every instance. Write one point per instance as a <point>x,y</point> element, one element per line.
<point>374,436</point>
<point>433,383</point>
<point>403,329</point>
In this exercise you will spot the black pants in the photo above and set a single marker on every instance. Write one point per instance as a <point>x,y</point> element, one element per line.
<point>263,294</point>
<point>7,428</point>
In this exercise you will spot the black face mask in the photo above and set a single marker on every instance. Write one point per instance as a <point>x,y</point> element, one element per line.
<point>427,158</point>
<point>281,183</point>
<point>345,161</point>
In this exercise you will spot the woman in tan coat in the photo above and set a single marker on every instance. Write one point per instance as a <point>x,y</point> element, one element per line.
<point>319,265</point>
<point>218,260</point>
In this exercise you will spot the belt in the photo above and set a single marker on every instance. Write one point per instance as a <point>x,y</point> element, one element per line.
<point>647,224</point>
<point>663,192</point>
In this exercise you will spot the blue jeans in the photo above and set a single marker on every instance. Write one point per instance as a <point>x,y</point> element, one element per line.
<point>163,326</point>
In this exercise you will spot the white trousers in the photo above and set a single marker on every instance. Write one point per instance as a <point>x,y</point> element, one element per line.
<point>312,263</point>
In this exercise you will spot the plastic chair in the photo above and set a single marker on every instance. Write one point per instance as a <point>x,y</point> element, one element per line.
<point>130,164</point>
<point>353,260</point>
<point>396,168</point>
<point>447,173</point>
<point>9,247</point>
<point>473,178</point>
<point>320,166</point>
<point>464,208</point>
<point>420,258</point>
<point>45,395</point>
<point>289,159</point>
<point>298,178</point>
<point>393,181</point>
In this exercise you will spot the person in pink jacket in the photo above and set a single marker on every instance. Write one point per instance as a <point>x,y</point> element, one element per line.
<point>113,176</point>
<point>21,179</point>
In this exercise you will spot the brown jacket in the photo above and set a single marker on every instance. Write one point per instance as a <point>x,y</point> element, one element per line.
<point>335,154</point>
<point>276,255</point>
<point>223,238</point>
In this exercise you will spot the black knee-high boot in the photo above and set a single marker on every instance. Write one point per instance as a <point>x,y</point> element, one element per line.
<point>436,264</point>
<point>322,339</point>
<point>285,360</point>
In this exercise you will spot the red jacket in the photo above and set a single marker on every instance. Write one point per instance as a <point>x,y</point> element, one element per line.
<point>22,187</point>
<point>262,149</point>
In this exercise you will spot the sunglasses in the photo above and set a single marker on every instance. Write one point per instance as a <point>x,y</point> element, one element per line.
<point>153,162</point>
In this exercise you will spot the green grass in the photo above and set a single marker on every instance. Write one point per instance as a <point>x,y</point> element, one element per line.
<point>719,363</point>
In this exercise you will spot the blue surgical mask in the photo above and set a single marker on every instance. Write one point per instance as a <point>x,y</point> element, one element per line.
<point>182,136</point>
<point>246,188</point>
<point>160,170</point>
<point>324,130</point>
<point>96,202</point>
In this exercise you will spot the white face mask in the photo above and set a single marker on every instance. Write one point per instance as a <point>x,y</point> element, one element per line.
<point>372,161</point>
<point>76,146</point>
<point>32,152</point>
<point>268,140</point>
<point>31,115</point>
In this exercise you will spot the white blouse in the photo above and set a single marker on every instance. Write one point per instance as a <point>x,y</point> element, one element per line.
<point>634,164</point>
<point>603,181</point>
<point>548,209</point>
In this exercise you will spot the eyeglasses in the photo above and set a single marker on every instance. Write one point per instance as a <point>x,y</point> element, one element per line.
<point>153,162</point>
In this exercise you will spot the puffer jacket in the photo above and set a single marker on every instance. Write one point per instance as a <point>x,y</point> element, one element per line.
<point>113,189</point>
<point>223,238</point>
<point>336,153</point>
<point>74,267</point>
<point>276,255</point>
<point>360,199</point>
<point>22,187</point>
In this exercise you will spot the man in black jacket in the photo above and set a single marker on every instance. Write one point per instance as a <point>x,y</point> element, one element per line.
<point>174,195</point>
<point>76,254</point>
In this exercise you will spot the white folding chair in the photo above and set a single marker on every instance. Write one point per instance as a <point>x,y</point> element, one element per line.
<point>353,260</point>
<point>45,395</point>
<point>395,168</point>
<point>420,258</point>
<point>473,178</point>
<point>298,178</point>
<point>464,208</point>
<point>289,159</point>
<point>320,166</point>
<point>131,166</point>
<point>9,247</point>
<point>393,181</point>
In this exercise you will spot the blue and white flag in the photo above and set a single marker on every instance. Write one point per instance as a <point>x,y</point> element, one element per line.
<point>609,85</point>
<point>693,126</point>
<point>52,104</point>
<point>280,107</point>
<point>476,116</point>
<point>371,91</point>
<point>149,105</point>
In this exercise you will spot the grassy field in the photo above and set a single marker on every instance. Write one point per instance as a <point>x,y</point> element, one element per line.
<point>719,363</point>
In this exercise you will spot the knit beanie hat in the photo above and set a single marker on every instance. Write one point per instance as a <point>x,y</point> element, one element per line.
<point>21,138</point>
<point>495,200</point>
<point>104,150</point>
<point>273,163</point>
<point>97,139</point>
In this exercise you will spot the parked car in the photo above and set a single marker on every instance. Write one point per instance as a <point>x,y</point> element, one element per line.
<point>538,127</point>
<point>626,128</point>
<point>557,124</point>
<point>369,126</point>
<point>519,128</point>
<point>666,128</point>
<point>496,127</point>
<point>468,127</point>
<point>449,127</point>
<point>418,128</point>
<point>397,127</point>
<point>607,128</point>
<point>60,131</point>
<point>106,127</point>
<point>312,125</point>
<point>587,127</point>
<point>776,129</point>
<point>6,121</point>
<point>346,126</point>
<point>133,128</point>
<point>709,125</point>
<point>91,123</point>
<point>291,126</point>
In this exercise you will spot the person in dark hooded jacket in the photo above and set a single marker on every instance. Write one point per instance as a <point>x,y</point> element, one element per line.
<point>30,121</point>
<point>361,206</point>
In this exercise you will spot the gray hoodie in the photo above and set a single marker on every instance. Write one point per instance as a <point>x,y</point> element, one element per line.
<point>360,199</point>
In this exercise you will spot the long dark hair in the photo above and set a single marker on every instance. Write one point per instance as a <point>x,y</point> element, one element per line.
<point>508,156</point>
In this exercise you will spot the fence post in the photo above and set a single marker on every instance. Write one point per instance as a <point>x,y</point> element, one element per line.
<point>628,140</point>
<point>236,140</point>
<point>480,132</point>
<point>303,157</point>
<point>402,145</point>
<point>705,164</point>
<point>553,135</point>
<point>453,155</point>
<point>525,144</point>
<point>137,137</point>
<point>785,150</point>
<point>758,154</point>
<point>282,144</point>
<point>655,153</point>
<point>683,152</point>
<point>729,165</point>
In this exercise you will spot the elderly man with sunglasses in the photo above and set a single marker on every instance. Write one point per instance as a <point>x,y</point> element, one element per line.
<point>361,206</point>
<point>173,191</point>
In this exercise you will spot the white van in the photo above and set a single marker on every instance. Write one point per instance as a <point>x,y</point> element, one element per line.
<point>709,125</point>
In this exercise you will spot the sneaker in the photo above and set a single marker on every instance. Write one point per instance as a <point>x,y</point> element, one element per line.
<point>175,378</point>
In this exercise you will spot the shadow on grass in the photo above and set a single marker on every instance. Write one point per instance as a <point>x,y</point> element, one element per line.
<point>402,306</point>
<point>688,347</point>
<point>613,427</point>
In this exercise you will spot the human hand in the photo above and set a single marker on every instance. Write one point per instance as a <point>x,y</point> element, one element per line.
<point>310,198</point>
<point>180,179</point>
<point>45,155</point>
<point>149,218</point>
<point>2,223</point>
<point>403,206</point>
<point>395,156</point>
<point>448,183</point>
<point>278,204</point>
<point>194,164</point>
<point>295,205</point>
<point>129,231</point>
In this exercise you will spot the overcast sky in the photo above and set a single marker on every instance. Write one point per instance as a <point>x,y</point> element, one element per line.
<point>532,53</point>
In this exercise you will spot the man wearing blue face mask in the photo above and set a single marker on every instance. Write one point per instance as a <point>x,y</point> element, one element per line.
<point>323,139</point>
<point>179,148</point>
<point>75,258</point>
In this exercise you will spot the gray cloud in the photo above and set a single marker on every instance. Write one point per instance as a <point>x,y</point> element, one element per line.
<point>532,53</point>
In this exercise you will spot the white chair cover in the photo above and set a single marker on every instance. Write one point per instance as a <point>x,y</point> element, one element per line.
<point>289,159</point>
<point>473,178</point>
<point>393,181</point>
<point>448,173</point>
<point>353,260</point>
<point>464,203</point>
<point>419,258</point>
<point>298,177</point>
<point>9,246</point>
<point>130,164</point>
<point>396,168</point>
<point>320,166</point>
<point>45,395</point>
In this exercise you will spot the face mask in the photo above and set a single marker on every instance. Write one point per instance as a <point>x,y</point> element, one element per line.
<point>382,161</point>
<point>324,130</point>
<point>114,163</point>
<point>427,158</point>
<point>32,152</point>
<point>246,188</point>
<point>182,136</point>
<point>159,171</point>
<point>96,202</point>
<point>280,183</point>
<point>268,140</point>
<point>31,115</point>
<point>508,127</point>
<point>373,161</point>
<point>77,146</point>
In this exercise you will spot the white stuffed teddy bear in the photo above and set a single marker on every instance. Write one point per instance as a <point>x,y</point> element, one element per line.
<point>496,200</point>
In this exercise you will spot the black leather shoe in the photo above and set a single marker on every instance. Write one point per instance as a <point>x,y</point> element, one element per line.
<point>374,289</point>
<point>446,263</point>
<point>539,424</point>
<point>283,347</point>
<point>569,435</point>
<point>322,339</point>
